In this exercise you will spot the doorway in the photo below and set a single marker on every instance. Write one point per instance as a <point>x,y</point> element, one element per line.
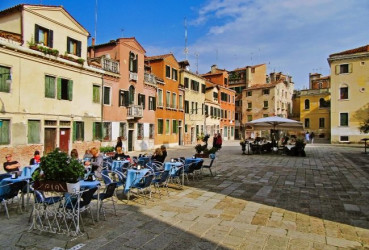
<point>192,135</point>
<point>179,135</point>
<point>130,140</point>
<point>50,140</point>
<point>64,137</point>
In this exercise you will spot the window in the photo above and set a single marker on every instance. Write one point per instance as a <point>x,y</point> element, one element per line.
<point>203,88</point>
<point>225,81</point>
<point>266,104</point>
<point>73,47</point>
<point>97,131</point>
<point>249,118</point>
<point>343,92</point>
<point>307,104</point>
<point>152,103</point>
<point>151,131</point>
<point>186,81</point>
<point>50,86</point>
<point>225,131</point>
<point>174,74</point>
<point>265,91</point>
<point>107,95</point>
<point>107,131</point>
<point>167,99</point>
<point>187,107</point>
<point>215,95</point>
<point>131,91</point>
<point>174,127</point>
<point>160,126</point>
<point>192,107</point>
<point>249,93</point>
<point>206,110</point>
<point>78,131</point>
<point>123,98</point>
<point>43,36</point>
<point>196,108</point>
<point>344,68</point>
<point>185,128</point>
<point>160,97</point>
<point>133,62</point>
<point>307,123</point>
<point>249,105</point>
<point>180,102</point>
<point>323,103</point>
<point>167,127</point>
<point>174,100</point>
<point>96,94</point>
<point>65,89</point>
<point>5,79</point>
<point>140,131</point>
<point>265,115</point>
<point>232,131</point>
<point>34,131</point>
<point>344,138</point>
<point>5,132</point>
<point>142,100</point>
<point>321,122</point>
<point>123,130</point>
<point>167,71</point>
<point>344,119</point>
<point>236,116</point>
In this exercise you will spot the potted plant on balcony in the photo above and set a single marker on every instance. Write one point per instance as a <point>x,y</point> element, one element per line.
<point>57,172</point>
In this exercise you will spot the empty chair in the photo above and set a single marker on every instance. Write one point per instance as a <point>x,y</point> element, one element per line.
<point>143,185</point>
<point>108,193</point>
<point>189,169</point>
<point>10,191</point>
<point>161,180</point>
<point>41,200</point>
<point>212,157</point>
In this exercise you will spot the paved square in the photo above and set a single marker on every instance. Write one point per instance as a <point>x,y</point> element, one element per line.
<point>254,202</point>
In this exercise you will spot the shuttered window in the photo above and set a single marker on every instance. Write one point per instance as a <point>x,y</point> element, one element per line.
<point>187,108</point>
<point>123,130</point>
<point>344,119</point>
<point>174,126</point>
<point>65,89</point>
<point>34,131</point>
<point>123,98</point>
<point>5,79</point>
<point>167,127</point>
<point>160,97</point>
<point>344,68</point>
<point>97,131</point>
<point>107,95</point>
<point>43,36</point>
<point>78,131</point>
<point>186,80</point>
<point>167,99</point>
<point>96,94</point>
<point>74,46</point>
<point>167,71</point>
<point>5,132</point>
<point>160,126</point>
<point>133,61</point>
<point>152,103</point>
<point>141,100</point>
<point>151,131</point>
<point>50,86</point>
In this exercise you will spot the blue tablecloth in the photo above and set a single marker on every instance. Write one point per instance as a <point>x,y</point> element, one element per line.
<point>172,167</point>
<point>133,177</point>
<point>9,180</point>
<point>191,160</point>
<point>88,184</point>
<point>117,165</point>
<point>28,170</point>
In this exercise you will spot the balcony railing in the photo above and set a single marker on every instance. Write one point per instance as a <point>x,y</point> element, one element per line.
<point>134,111</point>
<point>133,76</point>
<point>149,78</point>
<point>110,65</point>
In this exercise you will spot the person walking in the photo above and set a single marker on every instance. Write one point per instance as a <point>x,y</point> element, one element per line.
<point>312,135</point>
<point>307,137</point>
<point>219,141</point>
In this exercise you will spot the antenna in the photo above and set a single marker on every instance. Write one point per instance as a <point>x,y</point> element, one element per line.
<point>216,58</point>
<point>197,62</point>
<point>95,20</point>
<point>186,49</point>
<point>122,30</point>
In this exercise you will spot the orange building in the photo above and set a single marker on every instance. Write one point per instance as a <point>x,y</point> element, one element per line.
<point>128,106</point>
<point>226,99</point>
<point>169,112</point>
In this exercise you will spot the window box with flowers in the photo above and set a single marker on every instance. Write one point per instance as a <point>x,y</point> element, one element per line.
<point>139,137</point>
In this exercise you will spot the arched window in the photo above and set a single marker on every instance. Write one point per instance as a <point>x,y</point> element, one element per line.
<point>344,92</point>
<point>131,95</point>
<point>307,104</point>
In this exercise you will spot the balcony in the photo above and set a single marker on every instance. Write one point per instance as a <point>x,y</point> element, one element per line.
<point>134,111</point>
<point>133,76</point>
<point>150,79</point>
<point>110,65</point>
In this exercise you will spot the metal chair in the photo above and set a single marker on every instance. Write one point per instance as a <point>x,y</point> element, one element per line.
<point>9,192</point>
<point>161,180</point>
<point>143,184</point>
<point>108,193</point>
<point>212,157</point>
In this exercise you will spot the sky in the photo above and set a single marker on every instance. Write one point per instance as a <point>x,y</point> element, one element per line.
<point>291,36</point>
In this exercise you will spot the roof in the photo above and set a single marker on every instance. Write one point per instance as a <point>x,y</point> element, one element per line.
<point>158,57</point>
<point>262,86</point>
<point>362,49</point>
<point>254,66</point>
<point>114,42</point>
<point>20,7</point>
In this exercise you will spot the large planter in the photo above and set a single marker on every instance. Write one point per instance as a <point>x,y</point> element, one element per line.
<point>73,187</point>
<point>202,155</point>
<point>53,186</point>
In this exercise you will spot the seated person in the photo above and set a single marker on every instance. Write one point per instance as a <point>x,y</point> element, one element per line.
<point>95,163</point>
<point>164,152</point>
<point>119,155</point>
<point>36,158</point>
<point>10,165</point>
<point>158,155</point>
<point>87,154</point>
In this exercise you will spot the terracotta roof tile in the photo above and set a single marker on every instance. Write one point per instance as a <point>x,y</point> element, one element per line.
<point>159,57</point>
<point>254,66</point>
<point>361,49</point>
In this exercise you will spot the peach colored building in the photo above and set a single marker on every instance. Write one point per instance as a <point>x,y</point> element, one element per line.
<point>128,110</point>
<point>169,111</point>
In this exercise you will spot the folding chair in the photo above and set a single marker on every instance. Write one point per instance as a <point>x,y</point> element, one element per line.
<point>212,157</point>
<point>143,184</point>
<point>161,180</point>
<point>108,193</point>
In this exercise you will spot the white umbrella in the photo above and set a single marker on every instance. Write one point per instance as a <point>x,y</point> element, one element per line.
<point>275,122</point>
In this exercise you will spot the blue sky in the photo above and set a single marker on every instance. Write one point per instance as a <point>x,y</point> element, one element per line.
<point>292,36</point>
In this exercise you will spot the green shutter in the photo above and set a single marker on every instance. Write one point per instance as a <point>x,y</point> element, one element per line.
<point>5,133</point>
<point>74,131</point>
<point>4,76</point>
<point>37,28</point>
<point>126,98</point>
<point>68,44</point>
<point>154,101</point>
<point>83,131</point>
<point>70,90</point>
<point>50,40</point>
<point>94,130</point>
<point>79,45</point>
<point>59,88</point>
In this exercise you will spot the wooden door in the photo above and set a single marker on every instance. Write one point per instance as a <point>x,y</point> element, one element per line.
<point>130,140</point>
<point>50,140</point>
<point>64,137</point>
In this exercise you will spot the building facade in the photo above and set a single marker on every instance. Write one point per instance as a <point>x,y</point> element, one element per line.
<point>349,94</point>
<point>41,86</point>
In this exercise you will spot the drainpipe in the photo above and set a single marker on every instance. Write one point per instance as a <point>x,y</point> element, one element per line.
<point>102,107</point>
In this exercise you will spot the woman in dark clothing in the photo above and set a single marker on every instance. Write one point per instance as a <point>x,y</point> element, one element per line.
<point>119,143</point>
<point>164,152</point>
<point>158,155</point>
<point>119,155</point>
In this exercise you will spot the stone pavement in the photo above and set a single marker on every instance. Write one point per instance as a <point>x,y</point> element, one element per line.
<point>254,202</point>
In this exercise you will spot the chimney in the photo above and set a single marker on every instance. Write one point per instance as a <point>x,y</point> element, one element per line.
<point>213,68</point>
<point>93,41</point>
<point>92,50</point>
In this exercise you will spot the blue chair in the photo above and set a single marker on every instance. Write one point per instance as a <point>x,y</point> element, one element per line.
<point>161,180</point>
<point>41,200</point>
<point>143,184</point>
<point>10,191</point>
<point>108,193</point>
<point>3,176</point>
<point>212,157</point>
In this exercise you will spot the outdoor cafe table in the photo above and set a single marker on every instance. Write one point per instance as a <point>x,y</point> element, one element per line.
<point>92,184</point>
<point>173,167</point>
<point>133,177</point>
<point>191,160</point>
<point>118,164</point>
<point>10,180</point>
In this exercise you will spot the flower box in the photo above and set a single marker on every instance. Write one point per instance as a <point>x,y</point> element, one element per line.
<point>202,155</point>
<point>53,186</point>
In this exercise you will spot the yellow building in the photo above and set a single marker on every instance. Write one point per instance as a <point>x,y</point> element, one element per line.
<point>195,88</point>
<point>49,96</point>
<point>350,93</point>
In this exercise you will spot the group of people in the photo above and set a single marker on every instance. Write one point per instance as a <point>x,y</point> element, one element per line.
<point>309,137</point>
<point>217,141</point>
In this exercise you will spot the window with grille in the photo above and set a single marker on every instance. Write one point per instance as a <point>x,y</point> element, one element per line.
<point>5,79</point>
<point>78,131</point>
<point>151,131</point>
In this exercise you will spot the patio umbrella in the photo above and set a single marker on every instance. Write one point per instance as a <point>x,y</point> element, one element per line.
<point>275,122</point>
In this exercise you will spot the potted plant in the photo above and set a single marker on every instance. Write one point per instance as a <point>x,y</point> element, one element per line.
<point>57,171</point>
<point>108,150</point>
<point>198,148</point>
<point>201,148</point>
